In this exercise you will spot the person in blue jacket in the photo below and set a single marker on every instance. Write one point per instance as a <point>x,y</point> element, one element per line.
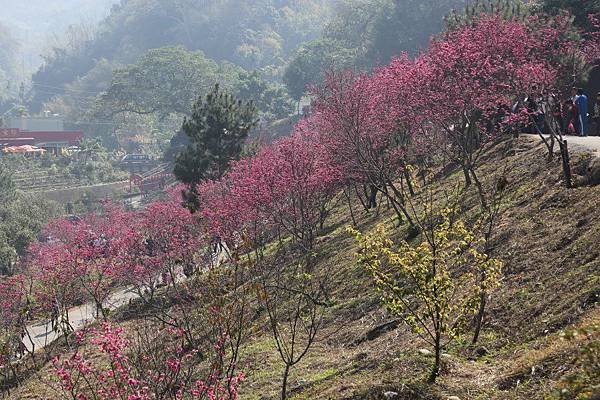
<point>581,101</point>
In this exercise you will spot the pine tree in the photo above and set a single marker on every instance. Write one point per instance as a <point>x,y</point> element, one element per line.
<point>509,9</point>
<point>217,130</point>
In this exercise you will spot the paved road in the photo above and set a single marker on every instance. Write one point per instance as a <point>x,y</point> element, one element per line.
<point>41,333</point>
<point>590,143</point>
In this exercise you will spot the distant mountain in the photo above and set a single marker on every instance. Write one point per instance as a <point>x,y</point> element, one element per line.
<point>36,23</point>
<point>255,35</point>
<point>8,52</point>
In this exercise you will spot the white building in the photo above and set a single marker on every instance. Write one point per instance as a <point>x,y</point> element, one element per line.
<point>36,124</point>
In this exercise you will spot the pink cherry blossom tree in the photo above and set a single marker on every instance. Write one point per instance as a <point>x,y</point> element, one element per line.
<point>593,40</point>
<point>14,314</point>
<point>289,184</point>
<point>162,246</point>
<point>283,189</point>
<point>81,260</point>
<point>154,365</point>
<point>478,71</point>
<point>230,215</point>
<point>56,287</point>
<point>366,124</point>
<point>474,71</point>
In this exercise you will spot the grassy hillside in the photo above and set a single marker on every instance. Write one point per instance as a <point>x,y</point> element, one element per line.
<point>548,239</point>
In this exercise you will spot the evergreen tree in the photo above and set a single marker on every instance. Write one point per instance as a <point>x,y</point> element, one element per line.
<point>217,130</point>
<point>580,9</point>
<point>509,9</point>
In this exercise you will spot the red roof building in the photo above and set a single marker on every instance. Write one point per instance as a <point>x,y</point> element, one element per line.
<point>49,140</point>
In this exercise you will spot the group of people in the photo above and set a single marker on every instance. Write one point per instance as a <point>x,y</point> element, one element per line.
<point>576,113</point>
<point>573,115</point>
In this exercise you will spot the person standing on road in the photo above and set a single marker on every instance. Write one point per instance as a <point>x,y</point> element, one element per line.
<point>574,113</point>
<point>571,118</point>
<point>582,106</point>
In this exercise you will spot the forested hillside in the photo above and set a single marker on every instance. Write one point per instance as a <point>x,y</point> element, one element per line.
<point>52,16</point>
<point>428,231</point>
<point>8,60</point>
<point>35,31</point>
<point>252,35</point>
<point>90,79</point>
<point>365,34</point>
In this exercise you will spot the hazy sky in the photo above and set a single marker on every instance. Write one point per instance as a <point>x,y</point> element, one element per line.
<point>34,22</point>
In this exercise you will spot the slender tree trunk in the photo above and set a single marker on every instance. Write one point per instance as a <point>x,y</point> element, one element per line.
<point>398,203</point>
<point>409,183</point>
<point>32,351</point>
<point>395,207</point>
<point>566,164</point>
<point>551,148</point>
<point>465,169</point>
<point>435,372</point>
<point>322,216</point>
<point>362,202</point>
<point>372,203</point>
<point>423,175</point>
<point>480,314</point>
<point>66,327</point>
<point>100,311</point>
<point>350,207</point>
<point>480,189</point>
<point>483,296</point>
<point>286,373</point>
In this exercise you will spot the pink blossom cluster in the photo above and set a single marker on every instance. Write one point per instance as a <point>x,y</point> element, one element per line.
<point>367,128</point>
<point>127,373</point>
<point>80,259</point>
<point>84,259</point>
<point>282,189</point>
<point>13,316</point>
<point>372,126</point>
<point>593,44</point>
<point>14,302</point>
<point>167,236</point>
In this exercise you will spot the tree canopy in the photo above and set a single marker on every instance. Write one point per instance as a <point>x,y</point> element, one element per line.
<point>22,217</point>
<point>217,130</point>
<point>311,60</point>
<point>164,81</point>
<point>579,9</point>
<point>271,99</point>
<point>365,34</point>
<point>253,35</point>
